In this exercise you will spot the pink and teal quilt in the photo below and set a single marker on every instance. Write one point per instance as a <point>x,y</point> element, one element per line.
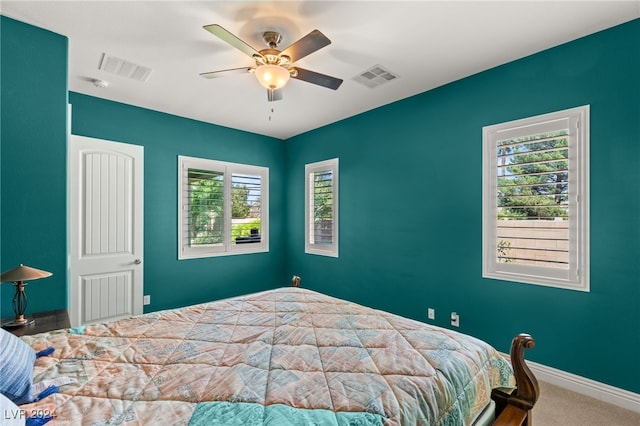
<point>288,356</point>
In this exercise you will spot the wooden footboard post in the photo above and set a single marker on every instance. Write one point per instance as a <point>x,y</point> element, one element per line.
<point>515,408</point>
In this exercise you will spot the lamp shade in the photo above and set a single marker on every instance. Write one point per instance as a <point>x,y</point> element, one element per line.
<point>272,76</point>
<point>23,273</point>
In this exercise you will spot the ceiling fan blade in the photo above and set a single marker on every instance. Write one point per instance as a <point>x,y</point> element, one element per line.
<point>308,44</point>
<point>274,95</point>
<point>224,73</point>
<point>316,78</point>
<point>227,36</point>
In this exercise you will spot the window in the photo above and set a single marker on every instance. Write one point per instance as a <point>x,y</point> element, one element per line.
<point>222,208</point>
<point>536,200</point>
<point>321,208</point>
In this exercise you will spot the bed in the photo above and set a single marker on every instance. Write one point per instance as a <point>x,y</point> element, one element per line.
<point>283,356</point>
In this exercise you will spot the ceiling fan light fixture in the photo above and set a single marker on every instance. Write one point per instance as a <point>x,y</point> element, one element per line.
<point>272,76</point>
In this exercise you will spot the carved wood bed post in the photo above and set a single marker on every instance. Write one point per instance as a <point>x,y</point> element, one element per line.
<point>515,408</point>
<point>295,281</point>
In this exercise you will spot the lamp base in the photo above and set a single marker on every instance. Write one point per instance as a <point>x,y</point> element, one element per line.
<point>18,323</point>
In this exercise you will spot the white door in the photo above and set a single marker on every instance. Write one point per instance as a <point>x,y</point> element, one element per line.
<point>105,230</point>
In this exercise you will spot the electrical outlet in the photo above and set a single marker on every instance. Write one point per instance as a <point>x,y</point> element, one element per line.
<point>455,319</point>
<point>146,300</point>
<point>431,313</point>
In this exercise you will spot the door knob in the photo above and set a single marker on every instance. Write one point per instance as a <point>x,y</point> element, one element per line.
<point>137,261</point>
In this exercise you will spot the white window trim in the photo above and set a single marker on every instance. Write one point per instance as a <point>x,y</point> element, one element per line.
<point>330,250</point>
<point>186,252</point>
<point>577,278</point>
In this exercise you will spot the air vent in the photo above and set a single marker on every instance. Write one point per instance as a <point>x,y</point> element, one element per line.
<point>375,76</point>
<point>124,68</point>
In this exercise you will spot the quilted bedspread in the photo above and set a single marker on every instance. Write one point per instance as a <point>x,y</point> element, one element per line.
<point>284,356</point>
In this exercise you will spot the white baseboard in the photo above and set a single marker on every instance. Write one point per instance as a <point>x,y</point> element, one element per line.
<point>610,394</point>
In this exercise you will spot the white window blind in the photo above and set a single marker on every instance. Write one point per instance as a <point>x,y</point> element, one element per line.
<point>246,196</point>
<point>204,224</point>
<point>321,210</point>
<point>223,208</point>
<point>533,200</point>
<point>535,196</point>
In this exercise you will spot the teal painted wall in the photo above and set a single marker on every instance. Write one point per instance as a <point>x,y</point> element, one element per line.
<point>33,108</point>
<point>169,281</point>
<point>411,207</point>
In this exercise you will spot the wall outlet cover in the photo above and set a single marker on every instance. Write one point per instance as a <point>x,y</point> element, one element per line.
<point>455,319</point>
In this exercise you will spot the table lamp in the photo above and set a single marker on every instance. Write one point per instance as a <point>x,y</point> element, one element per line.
<point>18,276</point>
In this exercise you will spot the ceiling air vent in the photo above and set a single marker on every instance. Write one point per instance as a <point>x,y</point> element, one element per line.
<point>124,68</point>
<point>375,76</point>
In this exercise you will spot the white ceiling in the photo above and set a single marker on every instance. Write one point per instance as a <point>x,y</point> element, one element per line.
<point>426,43</point>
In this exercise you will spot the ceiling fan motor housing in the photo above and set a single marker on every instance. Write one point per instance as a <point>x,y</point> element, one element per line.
<point>270,56</point>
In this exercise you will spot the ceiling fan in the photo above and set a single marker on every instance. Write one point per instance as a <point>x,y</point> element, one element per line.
<point>274,67</point>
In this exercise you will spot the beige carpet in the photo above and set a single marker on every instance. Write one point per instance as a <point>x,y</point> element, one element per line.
<point>560,407</point>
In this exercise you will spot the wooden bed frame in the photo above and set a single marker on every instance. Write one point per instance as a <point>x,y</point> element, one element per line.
<point>515,408</point>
